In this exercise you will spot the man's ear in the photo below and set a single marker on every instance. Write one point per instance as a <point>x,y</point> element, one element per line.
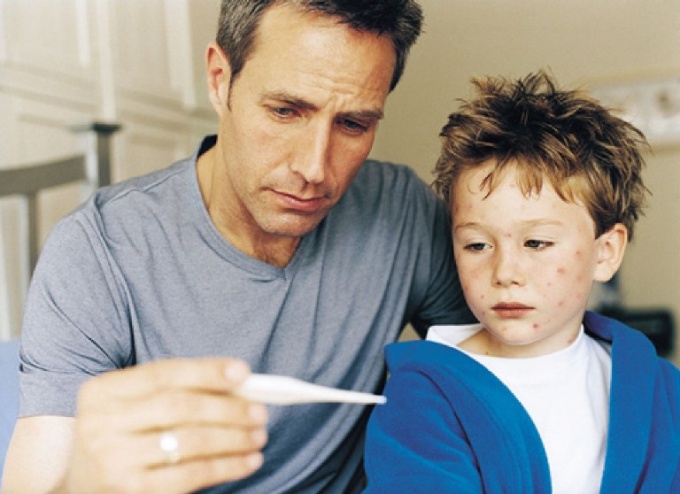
<point>611,248</point>
<point>219,75</point>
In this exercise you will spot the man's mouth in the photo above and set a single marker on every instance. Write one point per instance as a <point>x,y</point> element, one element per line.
<point>301,204</point>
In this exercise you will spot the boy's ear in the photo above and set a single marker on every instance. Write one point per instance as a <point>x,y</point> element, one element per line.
<point>219,75</point>
<point>611,248</point>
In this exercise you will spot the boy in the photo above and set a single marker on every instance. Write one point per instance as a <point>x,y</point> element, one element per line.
<point>544,187</point>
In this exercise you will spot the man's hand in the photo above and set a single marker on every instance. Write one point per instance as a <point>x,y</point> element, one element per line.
<point>169,426</point>
<point>210,435</point>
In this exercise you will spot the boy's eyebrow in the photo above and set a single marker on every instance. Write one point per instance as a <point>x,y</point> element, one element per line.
<point>298,102</point>
<point>526,223</point>
<point>469,224</point>
<point>543,221</point>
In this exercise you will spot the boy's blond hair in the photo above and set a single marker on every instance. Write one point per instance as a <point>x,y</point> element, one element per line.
<point>586,153</point>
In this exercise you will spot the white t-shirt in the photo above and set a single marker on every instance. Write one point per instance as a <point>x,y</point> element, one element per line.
<point>566,394</point>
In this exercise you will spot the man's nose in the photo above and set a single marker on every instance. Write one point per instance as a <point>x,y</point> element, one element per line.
<point>312,157</point>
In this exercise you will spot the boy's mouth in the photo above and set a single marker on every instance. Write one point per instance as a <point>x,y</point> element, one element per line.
<point>511,310</point>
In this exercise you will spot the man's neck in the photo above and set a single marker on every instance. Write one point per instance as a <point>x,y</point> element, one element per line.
<point>275,250</point>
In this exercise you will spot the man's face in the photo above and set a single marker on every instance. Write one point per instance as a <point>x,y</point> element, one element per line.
<point>299,121</point>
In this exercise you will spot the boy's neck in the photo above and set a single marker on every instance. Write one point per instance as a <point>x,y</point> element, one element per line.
<point>485,343</point>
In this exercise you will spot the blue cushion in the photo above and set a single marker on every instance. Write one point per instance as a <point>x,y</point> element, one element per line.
<point>9,394</point>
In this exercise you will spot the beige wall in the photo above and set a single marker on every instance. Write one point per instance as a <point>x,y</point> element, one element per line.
<point>583,42</point>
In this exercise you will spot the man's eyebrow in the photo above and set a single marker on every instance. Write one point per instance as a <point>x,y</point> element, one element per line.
<point>299,102</point>
<point>371,115</point>
<point>289,99</point>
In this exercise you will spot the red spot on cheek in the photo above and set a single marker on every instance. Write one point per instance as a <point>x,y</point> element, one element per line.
<point>535,327</point>
<point>561,270</point>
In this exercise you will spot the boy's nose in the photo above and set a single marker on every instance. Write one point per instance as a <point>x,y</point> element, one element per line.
<point>507,269</point>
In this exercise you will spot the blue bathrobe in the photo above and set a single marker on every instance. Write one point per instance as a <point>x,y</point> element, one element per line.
<point>451,426</point>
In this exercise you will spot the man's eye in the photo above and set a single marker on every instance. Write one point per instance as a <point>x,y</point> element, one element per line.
<point>537,244</point>
<point>283,112</point>
<point>353,126</point>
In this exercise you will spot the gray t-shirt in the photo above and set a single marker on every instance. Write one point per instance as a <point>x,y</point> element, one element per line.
<point>139,273</point>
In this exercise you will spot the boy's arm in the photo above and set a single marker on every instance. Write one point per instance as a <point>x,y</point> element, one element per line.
<point>415,443</point>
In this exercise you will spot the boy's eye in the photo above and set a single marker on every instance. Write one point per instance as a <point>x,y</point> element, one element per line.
<point>477,246</point>
<point>537,244</point>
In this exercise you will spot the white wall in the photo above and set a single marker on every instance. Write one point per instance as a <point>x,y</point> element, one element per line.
<point>583,42</point>
<point>67,62</point>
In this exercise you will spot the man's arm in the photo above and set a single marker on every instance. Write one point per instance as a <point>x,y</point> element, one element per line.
<point>114,444</point>
<point>38,454</point>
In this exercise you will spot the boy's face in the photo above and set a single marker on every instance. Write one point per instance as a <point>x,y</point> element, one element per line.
<point>526,264</point>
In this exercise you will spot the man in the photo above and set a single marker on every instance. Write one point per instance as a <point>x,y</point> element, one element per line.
<point>274,248</point>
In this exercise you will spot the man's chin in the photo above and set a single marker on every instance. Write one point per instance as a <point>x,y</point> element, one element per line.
<point>295,228</point>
